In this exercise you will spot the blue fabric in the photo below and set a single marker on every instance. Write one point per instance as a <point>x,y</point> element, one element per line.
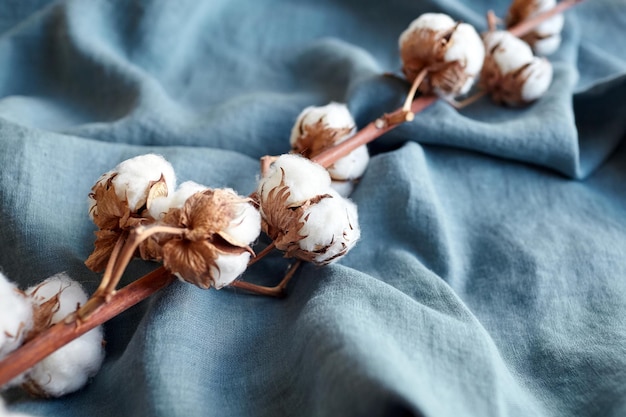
<point>491,275</point>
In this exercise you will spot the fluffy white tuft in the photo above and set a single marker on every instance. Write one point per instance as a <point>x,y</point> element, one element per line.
<point>508,51</point>
<point>245,227</point>
<point>177,199</point>
<point>433,21</point>
<point>547,46</point>
<point>538,79</point>
<point>16,316</point>
<point>351,166</point>
<point>331,224</point>
<point>229,267</point>
<point>467,47</point>
<point>343,188</point>
<point>304,178</point>
<point>69,368</point>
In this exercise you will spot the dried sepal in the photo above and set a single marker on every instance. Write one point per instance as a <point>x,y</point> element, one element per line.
<point>545,38</point>
<point>206,218</point>
<point>511,75</point>
<point>450,52</point>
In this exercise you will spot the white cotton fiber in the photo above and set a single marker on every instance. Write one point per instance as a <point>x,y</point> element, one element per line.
<point>466,46</point>
<point>547,46</point>
<point>332,225</point>
<point>69,368</point>
<point>508,51</point>
<point>436,22</point>
<point>538,79</point>
<point>304,178</point>
<point>245,227</point>
<point>229,267</point>
<point>177,199</point>
<point>343,188</point>
<point>351,166</point>
<point>16,316</point>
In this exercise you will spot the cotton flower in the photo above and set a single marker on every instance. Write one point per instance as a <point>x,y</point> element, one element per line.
<point>67,369</point>
<point>213,249</point>
<point>451,52</point>
<point>319,128</point>
<point>16,316</point>
<point>319,226</point>
<point>511,74</point>
<point>545,38</point>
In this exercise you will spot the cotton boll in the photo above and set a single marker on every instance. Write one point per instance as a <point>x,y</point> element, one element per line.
<point>451,53</point>
<point>228,268</point>
<point>305,179</point>
<point>330,230</point>
<point>133,178</point>
<point>511,74</point>
<point>538,77</point>
<point>16,316</point>
<point>67,369</point>
<point>333,116</point>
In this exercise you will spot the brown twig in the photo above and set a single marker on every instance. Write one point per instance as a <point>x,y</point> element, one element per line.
<point>69,329</point>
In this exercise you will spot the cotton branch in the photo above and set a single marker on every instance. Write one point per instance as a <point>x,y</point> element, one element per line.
<point>114,303</point>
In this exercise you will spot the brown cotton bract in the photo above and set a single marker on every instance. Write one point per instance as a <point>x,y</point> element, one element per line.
<point>282,223</point>
<point>502,88</point>
<point>193,254</point>
<point>112,216</point>
<point>316,138</point>
<point>425,49</point>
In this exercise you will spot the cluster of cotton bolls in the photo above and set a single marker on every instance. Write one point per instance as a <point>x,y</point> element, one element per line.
<point>318,128</point>
<point>218,225</point>
<point>25,314</point>
<point>453,56</point>
<point>305,217</point>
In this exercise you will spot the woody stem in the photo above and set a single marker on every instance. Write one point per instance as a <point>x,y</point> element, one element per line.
<point>118,263</point>
<point>276,291</point>
<point>409,98</point>
<point>266,250</point>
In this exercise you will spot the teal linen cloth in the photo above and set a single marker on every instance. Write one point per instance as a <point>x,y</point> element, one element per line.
<point>490,279</point>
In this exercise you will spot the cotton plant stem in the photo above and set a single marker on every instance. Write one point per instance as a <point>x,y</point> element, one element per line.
<point>276,291</point>
<point>371,132</point>
<point>69,329</point>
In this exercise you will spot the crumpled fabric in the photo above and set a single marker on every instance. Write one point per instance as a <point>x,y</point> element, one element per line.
<point>490,279</point>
